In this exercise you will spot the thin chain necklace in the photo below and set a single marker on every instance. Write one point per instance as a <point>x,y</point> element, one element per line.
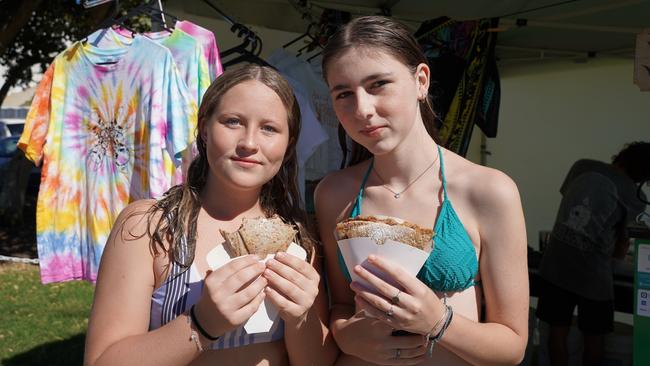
<point>399,194</point>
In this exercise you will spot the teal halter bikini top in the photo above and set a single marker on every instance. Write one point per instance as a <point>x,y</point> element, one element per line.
<point>452,264</point>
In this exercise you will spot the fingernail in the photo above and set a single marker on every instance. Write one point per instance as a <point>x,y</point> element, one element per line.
<point>357,268</point>
<point>371,258</point>
<point>271,262</point>
<point>280,254</point>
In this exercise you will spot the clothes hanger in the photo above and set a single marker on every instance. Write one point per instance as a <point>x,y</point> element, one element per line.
<point>146,9</point>
<point>149,9</point>
<point>248,50</point>
<point>310,47</point>
<point>247,55</point>
<point>143,9</point>
<point>314,55</point>
<point>306,34</point>
<point>107,23</point>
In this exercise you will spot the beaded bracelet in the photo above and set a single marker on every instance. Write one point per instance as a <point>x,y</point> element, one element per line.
<point>449,314</point>
<point>202,331</point>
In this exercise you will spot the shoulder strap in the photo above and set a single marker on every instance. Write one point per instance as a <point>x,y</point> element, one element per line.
<point>176,283</point>
<point>442,173</point>
<point>356,209</point>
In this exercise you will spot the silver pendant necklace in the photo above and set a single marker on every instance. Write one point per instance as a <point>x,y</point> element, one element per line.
<point>397,195</point>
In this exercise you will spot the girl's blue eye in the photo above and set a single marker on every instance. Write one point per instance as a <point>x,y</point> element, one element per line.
<point>269,128</point>
<point>343,95</point>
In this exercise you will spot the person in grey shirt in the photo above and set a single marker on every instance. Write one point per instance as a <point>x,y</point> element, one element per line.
<point>598,201</point>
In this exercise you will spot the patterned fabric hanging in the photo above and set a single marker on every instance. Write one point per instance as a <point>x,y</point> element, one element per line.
<point>109,127</point>
<point>465,86</point>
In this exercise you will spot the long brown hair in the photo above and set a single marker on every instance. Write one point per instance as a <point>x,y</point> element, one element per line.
<point>387,35</point>
<point>178,210</point>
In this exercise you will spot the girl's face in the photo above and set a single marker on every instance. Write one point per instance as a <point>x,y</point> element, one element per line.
<point>375,97</point>
<point>247,137</point>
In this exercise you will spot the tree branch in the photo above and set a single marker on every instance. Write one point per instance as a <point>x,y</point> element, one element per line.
<point>9,82</point>
<point>17,22</point>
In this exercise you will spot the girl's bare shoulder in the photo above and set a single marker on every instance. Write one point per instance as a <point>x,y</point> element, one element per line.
<point>135,221</point>
<point>482,184</point>
<point>335,190</point>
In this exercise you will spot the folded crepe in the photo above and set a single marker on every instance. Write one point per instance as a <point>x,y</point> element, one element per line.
<point>261,236</point>
<point>381,229</point>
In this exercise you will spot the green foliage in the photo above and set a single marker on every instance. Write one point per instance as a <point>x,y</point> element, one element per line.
<point>52,26</point>
<point>41,324</point>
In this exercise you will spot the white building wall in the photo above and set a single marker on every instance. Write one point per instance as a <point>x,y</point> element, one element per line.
<point>554,114</point>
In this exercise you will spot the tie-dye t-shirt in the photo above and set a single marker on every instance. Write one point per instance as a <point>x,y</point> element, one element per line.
<point>188,55</point>
<point>107,135</point>
<point>186,51</point>
<point>209,43</point>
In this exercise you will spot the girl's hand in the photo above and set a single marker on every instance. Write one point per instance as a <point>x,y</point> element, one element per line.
<point>411,306</point>
<point>231,294</point>
<point>292,286</point>
<point>374,342</point>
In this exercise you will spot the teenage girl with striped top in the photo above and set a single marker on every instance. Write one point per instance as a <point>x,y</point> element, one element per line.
<point>158,303</point>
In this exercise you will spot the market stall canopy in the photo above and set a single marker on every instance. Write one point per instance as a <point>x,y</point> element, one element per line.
<point>529,29</point>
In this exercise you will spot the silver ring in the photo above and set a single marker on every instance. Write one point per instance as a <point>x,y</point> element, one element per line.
<point>398,353</point>
<point>395,299</point>
<point>390,312</point>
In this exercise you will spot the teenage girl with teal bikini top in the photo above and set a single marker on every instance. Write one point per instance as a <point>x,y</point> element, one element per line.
<point>452,264</point>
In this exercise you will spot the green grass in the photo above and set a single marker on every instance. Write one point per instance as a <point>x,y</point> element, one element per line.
<point>41,324</point>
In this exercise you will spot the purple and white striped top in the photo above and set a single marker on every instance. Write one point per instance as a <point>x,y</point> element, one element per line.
<point>183,289</point>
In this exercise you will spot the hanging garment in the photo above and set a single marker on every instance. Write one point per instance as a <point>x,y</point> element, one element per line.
<point>109,127</point>
<point>327,157</point>
<point>208,42</point>
<point>311,133</point>
<point>465,86</point>
<point>187,52</point>
<point>188,56</point>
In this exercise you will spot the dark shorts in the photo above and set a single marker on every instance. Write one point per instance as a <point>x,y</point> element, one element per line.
<point>556,305</point>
